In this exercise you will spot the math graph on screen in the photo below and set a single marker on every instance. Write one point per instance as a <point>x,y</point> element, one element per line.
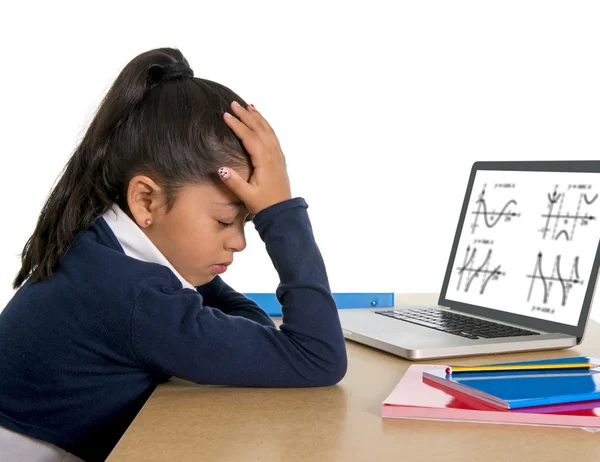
<point>561,221</point>
<point>557,281</point>
<point>482,272</point>
<point>489,215</point>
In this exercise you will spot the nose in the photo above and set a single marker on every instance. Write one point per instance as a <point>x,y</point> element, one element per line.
<point>237,242</point>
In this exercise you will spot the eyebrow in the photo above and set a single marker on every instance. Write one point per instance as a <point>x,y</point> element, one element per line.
<point>231,204</point>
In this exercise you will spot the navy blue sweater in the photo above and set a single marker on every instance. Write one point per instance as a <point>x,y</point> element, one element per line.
<point>81,352</point>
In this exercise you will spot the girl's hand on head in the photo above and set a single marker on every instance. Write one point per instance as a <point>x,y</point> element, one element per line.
<point>269,183</point>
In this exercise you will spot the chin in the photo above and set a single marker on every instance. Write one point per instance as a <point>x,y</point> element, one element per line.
<point>205,280</point>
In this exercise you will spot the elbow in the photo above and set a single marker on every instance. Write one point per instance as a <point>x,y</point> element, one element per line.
<point>335,370</point>
<point>340,369</point>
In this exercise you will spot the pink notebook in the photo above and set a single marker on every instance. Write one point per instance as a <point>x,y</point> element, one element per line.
<point>414,399</point>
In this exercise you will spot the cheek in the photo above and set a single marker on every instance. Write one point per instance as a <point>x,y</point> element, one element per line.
<point>198,240</point>
<point>186,236</point>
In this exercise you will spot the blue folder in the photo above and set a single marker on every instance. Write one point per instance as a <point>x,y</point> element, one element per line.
<point>519,389</point>
<point>269,303</point>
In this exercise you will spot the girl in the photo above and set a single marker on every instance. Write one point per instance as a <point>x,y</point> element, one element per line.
<point>119,287</point>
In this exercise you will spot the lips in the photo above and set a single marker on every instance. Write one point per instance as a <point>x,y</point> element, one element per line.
<point>220,268</point>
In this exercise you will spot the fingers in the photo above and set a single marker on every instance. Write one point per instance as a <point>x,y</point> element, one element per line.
<point>251,118</point>
<point>256,134</point>
<point>241,130</point>
<point>249,139</point>
<point>257,124</point>
<point>271,187</point>
<point>237,184</point>
<point>269,183</point>
<point>266,124</point>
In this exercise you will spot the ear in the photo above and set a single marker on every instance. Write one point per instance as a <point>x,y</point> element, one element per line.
<point>144,198</point>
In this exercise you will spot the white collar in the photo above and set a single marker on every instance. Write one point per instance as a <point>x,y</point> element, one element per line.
<point>135,243</point>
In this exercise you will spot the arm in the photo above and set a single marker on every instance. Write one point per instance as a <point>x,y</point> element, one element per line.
<point>218,294</point>
<point>175,333</point>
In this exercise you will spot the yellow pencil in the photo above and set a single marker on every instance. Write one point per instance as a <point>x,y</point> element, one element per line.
<point>519,367</point>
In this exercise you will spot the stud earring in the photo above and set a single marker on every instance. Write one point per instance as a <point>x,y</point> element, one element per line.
<point>147,222</point>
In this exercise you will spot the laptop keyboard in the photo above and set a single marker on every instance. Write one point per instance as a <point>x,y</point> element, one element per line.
<point>453,323</point>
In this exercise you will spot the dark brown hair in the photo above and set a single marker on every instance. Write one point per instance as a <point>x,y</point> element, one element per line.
<point>171,130</point>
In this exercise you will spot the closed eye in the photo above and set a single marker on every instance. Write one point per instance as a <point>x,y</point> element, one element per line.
<point>229,225</point>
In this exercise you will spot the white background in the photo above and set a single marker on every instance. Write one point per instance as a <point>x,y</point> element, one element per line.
<point>380,107</point>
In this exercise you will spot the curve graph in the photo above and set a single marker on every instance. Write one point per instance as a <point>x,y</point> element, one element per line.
<point>563,224</point>
<point>556,278</point>
<point>491,217</point>
<point>471,271</point>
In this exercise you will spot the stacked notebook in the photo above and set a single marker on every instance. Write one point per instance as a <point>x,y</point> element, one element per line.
<point>569,398</point>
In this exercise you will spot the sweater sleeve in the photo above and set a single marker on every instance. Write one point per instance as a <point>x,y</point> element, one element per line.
<point>174,331</point>
<point>218,294</point>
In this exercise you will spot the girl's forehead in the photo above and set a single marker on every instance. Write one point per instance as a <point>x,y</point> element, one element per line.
<point>210,195</point>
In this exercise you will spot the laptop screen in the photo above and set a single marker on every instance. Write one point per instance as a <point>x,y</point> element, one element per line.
<point>527,243</point>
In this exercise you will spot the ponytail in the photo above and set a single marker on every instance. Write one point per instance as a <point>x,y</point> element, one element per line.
<point>141,126</point>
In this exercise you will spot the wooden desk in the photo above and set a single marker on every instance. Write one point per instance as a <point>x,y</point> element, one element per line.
<point>186,422</point>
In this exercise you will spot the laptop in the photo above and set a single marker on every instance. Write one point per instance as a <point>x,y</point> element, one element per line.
<point>521,273</point>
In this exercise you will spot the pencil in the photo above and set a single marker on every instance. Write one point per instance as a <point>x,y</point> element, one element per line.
<point>519,367</point>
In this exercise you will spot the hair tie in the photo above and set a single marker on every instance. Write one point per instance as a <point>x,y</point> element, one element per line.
<point>160,74</point>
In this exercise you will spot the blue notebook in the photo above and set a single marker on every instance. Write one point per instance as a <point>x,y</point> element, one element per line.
<point>519,389</point>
